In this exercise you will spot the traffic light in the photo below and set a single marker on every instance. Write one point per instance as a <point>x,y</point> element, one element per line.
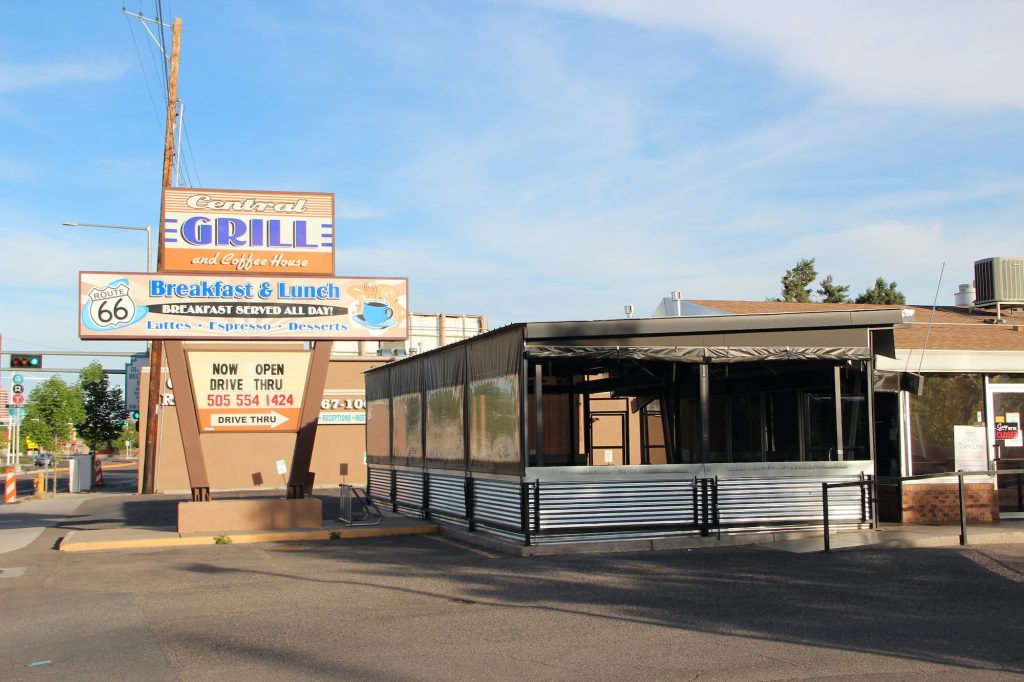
<point>26,361</point>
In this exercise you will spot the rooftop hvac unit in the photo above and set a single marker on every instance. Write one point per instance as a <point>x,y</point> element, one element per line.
<point>999,280</point>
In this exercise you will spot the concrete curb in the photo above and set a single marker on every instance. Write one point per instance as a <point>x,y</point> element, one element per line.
<point>133,538</point>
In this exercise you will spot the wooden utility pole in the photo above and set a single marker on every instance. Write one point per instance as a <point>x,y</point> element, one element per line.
<point>156,349</point>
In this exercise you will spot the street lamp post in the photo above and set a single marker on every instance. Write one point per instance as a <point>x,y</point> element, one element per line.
<point>155,352</point>
<point>146,229</point>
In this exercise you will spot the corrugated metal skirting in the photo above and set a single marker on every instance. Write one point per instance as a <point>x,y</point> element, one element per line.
<point>497,504</point>
<point>448,497</point>
<point>379,487</point>
<point>535,512</point>
<point>759,502</point>
<point>409,490</point>
<point>610,504</point>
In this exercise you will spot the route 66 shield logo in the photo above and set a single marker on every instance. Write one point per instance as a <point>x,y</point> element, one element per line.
<point>111,306</point>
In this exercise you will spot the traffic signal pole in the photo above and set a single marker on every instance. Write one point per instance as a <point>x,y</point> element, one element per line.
<point>156,348</point>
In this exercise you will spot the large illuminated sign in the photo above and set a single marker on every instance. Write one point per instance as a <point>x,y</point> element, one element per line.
<point>240,231</point>
<point>233,307</point>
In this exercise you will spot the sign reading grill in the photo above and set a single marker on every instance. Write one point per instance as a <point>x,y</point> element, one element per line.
<point>244,231</point>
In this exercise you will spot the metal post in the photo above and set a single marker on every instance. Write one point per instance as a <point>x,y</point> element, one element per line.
<point>425,508</point>
<point>470,504</point>
<point>824,512</point>
<point>963,508</point>
<point>705,530</point>
<point>874,502</point>
<point>714,507</point>
<point>524,511</point>
<point>536,507</point>
<point>863,500</point>
<point>837,383</point>
<point>705,413</point>
<point>696,503</point>
<point>538,404</point>
<point>394,490</point>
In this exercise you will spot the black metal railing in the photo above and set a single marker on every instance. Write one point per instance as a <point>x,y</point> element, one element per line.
<point>871,483</point>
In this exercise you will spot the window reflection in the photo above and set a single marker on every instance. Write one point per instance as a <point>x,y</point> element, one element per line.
<point>947,400</point>
<point>444,424</point>
<point>493,410</point>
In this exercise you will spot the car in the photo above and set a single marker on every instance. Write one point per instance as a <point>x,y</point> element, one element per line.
<point>43,459</point>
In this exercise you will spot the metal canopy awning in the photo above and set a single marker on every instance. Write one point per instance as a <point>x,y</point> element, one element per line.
<point>696,354</point>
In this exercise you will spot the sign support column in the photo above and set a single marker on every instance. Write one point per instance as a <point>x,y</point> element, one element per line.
<point>195,463</point>
<point>306,437</point>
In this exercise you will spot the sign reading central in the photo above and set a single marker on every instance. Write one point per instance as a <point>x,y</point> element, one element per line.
<point>248,391</point>
<point>242,231</point>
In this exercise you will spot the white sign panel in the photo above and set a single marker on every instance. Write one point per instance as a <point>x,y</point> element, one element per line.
<point>248,390</point>
<point>970,448</point>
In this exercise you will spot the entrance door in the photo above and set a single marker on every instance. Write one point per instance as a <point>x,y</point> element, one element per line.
<point>609,440</point>
<point>1006,406</point>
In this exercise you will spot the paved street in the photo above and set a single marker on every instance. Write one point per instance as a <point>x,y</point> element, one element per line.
<point>428,608</point>
<point>116,474</point>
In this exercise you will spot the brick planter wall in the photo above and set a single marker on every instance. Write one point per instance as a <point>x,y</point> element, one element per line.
<point>940,503</point>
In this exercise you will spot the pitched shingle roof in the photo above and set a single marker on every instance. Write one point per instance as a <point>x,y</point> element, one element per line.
<point>951,328</point>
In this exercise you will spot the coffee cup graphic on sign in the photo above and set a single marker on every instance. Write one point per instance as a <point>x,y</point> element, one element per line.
<point>377,312</point>
<point>376,305</point>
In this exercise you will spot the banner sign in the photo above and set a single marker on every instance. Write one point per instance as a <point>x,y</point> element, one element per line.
<point>248,390</point>
<point>233,307</point>
<point>240,231</point>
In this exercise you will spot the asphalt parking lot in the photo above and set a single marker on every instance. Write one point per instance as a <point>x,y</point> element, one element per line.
<point>429,608</point>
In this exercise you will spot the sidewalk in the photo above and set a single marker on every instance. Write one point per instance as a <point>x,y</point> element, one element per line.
<point>111,520</point>
<point>122,520</point>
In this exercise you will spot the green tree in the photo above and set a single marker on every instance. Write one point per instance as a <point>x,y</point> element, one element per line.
<point>104,413</point>
<point>796,283</point>
<point>831,292</point>
<point>54,408</point>
<point>127,439</point>
<point>883,292</point>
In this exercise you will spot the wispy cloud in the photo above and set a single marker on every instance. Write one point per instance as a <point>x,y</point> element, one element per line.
<point>26,76</point>
<point>914,53</point>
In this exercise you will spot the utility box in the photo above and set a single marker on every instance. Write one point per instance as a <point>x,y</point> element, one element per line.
<point>999,280</point>
<point>80,476</point>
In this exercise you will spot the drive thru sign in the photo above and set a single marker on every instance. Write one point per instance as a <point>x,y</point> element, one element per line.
<point>249,390</point>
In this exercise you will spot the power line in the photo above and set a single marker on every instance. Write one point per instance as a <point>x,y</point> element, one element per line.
<point>142,66</point>
<point>163,42</point>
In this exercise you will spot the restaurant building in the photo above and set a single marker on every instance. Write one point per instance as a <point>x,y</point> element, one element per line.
<point>715,416</point>
<point>639,428</point>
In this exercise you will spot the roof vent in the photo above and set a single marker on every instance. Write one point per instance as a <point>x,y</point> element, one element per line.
<point>965,297</point>
<point>999,280</point>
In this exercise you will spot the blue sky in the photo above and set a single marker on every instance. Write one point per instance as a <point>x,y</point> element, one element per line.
<point>553,159</point>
